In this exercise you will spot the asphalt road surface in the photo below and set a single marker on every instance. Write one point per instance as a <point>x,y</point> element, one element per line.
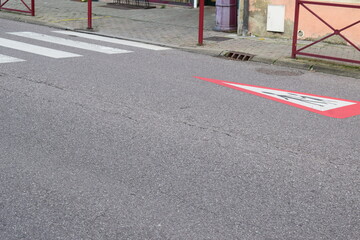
<point>114,141</point>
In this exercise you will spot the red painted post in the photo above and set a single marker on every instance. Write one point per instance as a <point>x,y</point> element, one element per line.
<point>296,26</point>
<point>32,7</point>
<point>201,23</point>
<point>89,14</point>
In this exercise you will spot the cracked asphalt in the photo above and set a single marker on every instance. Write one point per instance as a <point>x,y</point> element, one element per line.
<point>132,146</point>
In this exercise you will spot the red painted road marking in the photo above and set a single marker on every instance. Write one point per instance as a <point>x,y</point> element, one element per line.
<point>327,106</point>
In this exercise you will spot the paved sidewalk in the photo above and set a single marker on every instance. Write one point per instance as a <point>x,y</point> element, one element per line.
<point>177,26</point>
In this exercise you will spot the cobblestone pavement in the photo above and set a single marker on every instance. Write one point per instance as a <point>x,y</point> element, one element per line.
<point>177,26</point>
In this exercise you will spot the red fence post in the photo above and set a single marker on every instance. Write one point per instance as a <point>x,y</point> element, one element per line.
<point>296,26</point>
<point>89,14</point>
<point>32,7</point>
<point>201,23</point>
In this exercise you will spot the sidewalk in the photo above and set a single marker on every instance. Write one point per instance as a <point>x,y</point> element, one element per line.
<point>177,26</point>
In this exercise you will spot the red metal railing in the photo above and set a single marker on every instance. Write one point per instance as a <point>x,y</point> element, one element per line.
<point>30,9</point>
<point>304,4</point>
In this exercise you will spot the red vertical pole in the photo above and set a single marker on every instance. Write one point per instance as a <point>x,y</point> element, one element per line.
<point>32,7</point>
<point>296,26</point>
<point>201,23</point>
<point>89,14</point>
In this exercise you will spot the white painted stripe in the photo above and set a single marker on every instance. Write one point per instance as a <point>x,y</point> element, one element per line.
<point>8,59</point>
<point>113,40</point>
<point>25,47</point>
<point>70,43</point>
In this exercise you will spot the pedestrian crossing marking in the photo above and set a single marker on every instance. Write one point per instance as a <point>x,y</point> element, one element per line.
<point>52,53</point>
<point>69,42</point>
<point>113,40</point>
<point>8,59</point>
<point>25,47</point>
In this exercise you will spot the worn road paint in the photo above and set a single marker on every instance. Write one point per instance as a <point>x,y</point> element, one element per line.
<point>327,106</point>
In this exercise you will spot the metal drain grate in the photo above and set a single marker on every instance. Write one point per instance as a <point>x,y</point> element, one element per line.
<point>217,39</point>
<point>239,56</point>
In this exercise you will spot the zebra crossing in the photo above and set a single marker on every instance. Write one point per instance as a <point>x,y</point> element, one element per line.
<point>114,40</point>
<point>44,51</point>
<point>8,59</point>
<point>63,41</point>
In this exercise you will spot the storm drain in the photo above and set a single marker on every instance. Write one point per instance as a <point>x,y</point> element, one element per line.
<point>240,56</point>
<point>217,39</point>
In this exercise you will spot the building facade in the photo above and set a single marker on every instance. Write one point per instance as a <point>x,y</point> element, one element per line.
<point>275,18</point>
